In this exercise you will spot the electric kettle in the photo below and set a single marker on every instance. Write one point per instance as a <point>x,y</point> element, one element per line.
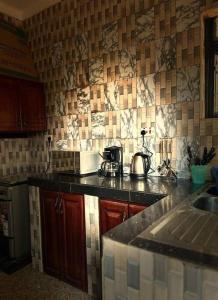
<point>140,165</point>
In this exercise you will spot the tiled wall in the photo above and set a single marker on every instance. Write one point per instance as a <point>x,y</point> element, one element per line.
<point>131,273</point>
<point>113,67</point>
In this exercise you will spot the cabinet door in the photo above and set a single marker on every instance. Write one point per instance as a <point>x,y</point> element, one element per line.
<point>112,213</point>
<point>73,228</point>
<point>135,209</point>
<point>50,232</point>
<point>32,105</point>
<point>9,106</point>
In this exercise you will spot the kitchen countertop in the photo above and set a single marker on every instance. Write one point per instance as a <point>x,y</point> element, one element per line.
<point>139,191</point>
<point>167,198</point>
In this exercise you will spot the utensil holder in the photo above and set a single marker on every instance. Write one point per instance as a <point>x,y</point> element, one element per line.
<point>198,173</point>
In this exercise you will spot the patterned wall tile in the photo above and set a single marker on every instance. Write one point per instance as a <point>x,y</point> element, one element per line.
<point>126,32</point>
<point>188,84</point>
<point>188,47</point>
<point>97,98</point>
<point>165,18</point>
<point>165,87</point>
<point>166,54</point>
<point>110,37</point>
<point>144,31</point>
<point>146,59</point>
<point>85,126</point>
<point>146,90</point>
<point>111,66</point>
<point>127,93</point>
<point>112,124</point>
<point>82,74</point>
<point>166,120</point>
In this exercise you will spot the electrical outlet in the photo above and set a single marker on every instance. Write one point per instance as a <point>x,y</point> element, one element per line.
<point>49,137</point>
<point>148,131</point>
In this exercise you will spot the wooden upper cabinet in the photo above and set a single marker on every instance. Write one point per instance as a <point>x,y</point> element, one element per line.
<point>32,102</point>
<point>112,214</point>
<point>9,106</point>
<point>22,106</point>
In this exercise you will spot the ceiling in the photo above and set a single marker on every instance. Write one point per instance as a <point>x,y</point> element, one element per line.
<point>23,9</point>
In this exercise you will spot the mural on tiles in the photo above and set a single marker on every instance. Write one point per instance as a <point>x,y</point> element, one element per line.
<point>59,104</point>
<point>127,64</point>
<point>72,127</point>
<point>187,14</point>
<point>145,26</point>
<point>188,84</point>
<point>128,120</point>
<point>70,77</point>
<point>56,54</point>
<point>96,71</point>
<point>97,54</point>
<point>98,125</point>
<point>111,93</point>
<point>83,100</point>
<point>146,90</point>
<point>81,47</point>
<point>110,37</point>
<point>166,121</point>
<point>166,54</point>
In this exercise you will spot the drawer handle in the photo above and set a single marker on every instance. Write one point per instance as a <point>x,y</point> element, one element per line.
<point>61,206</point>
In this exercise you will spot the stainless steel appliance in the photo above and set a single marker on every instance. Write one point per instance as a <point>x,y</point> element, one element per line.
<point>112,166</point>
<point>140,165</point>
<point>14,219</point>
<point>141,161</point>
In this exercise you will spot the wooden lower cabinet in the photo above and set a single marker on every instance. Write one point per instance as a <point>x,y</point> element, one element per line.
<point>135,209</point>
<point>113,213</point>
<point>63,237</point>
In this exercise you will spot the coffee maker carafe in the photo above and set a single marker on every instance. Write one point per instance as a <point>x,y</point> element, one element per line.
<point>112,166</point>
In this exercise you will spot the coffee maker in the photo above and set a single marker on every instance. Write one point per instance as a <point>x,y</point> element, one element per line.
<point>112,166</point>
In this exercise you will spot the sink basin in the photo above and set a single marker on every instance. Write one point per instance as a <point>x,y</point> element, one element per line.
<point>213,190</point>
<point>209,204</point>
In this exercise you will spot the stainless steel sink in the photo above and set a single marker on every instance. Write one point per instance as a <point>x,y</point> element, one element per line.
<point>209,204</point>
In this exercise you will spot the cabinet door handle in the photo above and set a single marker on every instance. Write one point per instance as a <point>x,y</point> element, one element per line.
<point>61,206</point>
<point>56,202</point>
<point>124,216</point>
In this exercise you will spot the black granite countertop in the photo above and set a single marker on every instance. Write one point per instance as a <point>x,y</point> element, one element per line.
<point>140,191</point>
